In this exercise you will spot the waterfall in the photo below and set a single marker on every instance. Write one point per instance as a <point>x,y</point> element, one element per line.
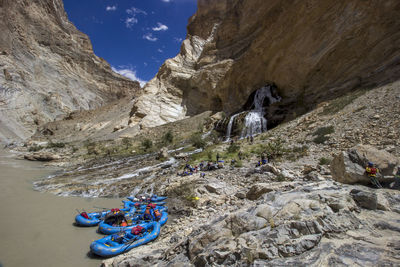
<point>254,122</point>
<point>229,128</point>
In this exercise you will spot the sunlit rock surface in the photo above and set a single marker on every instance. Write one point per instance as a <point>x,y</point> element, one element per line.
<point>312,51</point>
<point>48,68</point>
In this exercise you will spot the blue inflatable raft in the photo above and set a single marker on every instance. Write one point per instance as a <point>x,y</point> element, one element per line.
<point>94,218</point>
<point>130,204</point>
<point>109,246</point>
<point>153,198</point>
<point>106,228</point>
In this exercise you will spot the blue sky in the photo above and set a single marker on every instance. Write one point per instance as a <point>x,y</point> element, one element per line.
<point>134,36</point>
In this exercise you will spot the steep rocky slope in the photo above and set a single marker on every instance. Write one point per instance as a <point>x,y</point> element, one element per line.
<point>312,51</point>
<point>48,68</point>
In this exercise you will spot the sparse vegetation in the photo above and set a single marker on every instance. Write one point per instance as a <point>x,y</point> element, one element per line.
<point>197,141</point>
<point>146,144</point>
<point>35,148</point>
<point>126,142</point>
<point>168,138</point>
<point>321,134</point>
<point>56,145</point>
<point>339,103</point>
<point>233,148</point>
<point>324,161</point>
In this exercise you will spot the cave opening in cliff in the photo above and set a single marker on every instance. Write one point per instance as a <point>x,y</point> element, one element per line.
<point>253,119</point>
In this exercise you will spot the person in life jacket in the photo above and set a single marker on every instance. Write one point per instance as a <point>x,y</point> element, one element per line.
<point>371,172</point>
<point>147,214</point>
<point>157,215</point>
<point>124,223</point>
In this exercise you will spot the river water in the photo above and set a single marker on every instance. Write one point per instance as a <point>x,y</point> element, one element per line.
<point>36,229</point>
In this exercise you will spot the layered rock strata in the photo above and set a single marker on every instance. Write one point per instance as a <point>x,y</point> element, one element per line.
<point>312,51</point>
<point>48,68</point>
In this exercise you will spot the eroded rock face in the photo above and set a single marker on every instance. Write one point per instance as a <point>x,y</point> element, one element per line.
<point>48,68</point>
<point>311,50</point>
<point>349,166</point>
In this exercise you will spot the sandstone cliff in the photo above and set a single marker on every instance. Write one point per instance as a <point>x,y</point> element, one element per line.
<point>312,51</point>
<point>48,68</point>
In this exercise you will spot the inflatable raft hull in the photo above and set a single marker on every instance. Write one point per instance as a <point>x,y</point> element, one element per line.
<point>109,229</point>
<point>105,247</point>
<point>96,217</point>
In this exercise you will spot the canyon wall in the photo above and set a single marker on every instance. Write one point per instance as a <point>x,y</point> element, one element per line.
<point>48,68</point>
<point>312,50</point>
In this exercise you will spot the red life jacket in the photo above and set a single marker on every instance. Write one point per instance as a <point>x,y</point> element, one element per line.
<point>137,230</point>
<point>115,210</point>
<point>147,211</point>
<point>371,171</point>
<point>84,215</point>
<point>151,205</point>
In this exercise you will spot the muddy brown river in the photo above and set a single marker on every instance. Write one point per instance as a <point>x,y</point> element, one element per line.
<point>36,229</point>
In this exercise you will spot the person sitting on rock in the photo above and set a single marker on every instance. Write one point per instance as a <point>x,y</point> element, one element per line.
<point>264,159</point>
<point>371,172</point>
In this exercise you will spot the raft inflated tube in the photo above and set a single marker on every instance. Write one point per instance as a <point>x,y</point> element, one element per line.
<point>106,247</point>
<point>107,229</point>
<point>128,203</point>
<point>96,217</point>
<point>154,198</point>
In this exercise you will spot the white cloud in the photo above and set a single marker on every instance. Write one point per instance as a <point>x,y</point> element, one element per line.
<point>129,22</point>
<point>160,50</point>
<point>178,40</point>
<point>160,27</point>
<point>132,19</point>
<point>150,37</point>
<point>130,74</point>
<point>111,8</point>
<point>135,11</point>
<point>166,1</point>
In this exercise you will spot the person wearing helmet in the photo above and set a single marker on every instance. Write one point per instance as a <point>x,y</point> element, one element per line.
<point>371,172</point>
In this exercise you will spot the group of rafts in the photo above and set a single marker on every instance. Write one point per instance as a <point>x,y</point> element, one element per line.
<point>138,223</point>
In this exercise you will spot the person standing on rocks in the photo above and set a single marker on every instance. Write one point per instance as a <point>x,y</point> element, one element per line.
<point>371,172</point>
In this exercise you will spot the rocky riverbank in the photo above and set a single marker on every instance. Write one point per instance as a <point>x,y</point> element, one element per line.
<point>289,212</point>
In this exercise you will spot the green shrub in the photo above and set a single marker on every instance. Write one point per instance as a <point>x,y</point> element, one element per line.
<point>320,139</point>
<point>35,148</point>
<point>233,148</point>
<point>146,144</point>
<point>324,161</point>
<point>56,145</point>
<point>324,130</point>
<point>197,140</point>
<point>168,137</point>
<point>280,178</point>
<point>321,133</point>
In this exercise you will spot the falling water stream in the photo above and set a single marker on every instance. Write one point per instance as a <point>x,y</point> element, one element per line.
<point>255,121</point>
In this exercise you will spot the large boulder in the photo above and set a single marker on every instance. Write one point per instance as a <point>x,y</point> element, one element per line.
<point>366,200</point>
<point>349,166</point>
